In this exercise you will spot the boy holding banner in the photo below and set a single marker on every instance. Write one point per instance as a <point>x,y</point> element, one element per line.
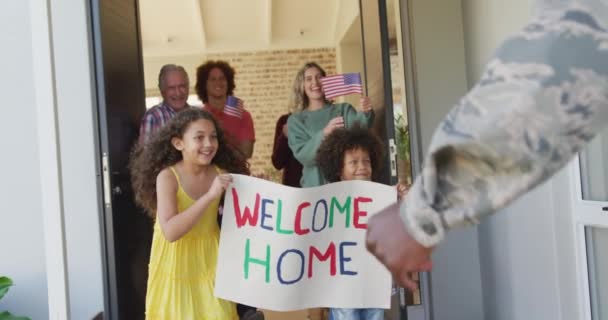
<point>353,154</point>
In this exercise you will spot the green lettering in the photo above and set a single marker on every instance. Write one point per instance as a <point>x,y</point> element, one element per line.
<point>279,230</point>
<point>249,260</point>
<point>342,209</point>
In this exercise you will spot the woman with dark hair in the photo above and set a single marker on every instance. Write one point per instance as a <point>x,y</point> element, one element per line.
<point>282,157</point>
<point>214,83</point>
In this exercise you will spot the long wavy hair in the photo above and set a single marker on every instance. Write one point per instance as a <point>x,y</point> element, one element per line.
<point>149,159</point>
<point>330,155</point>
<point>202,76</point>
<point>299,99</point>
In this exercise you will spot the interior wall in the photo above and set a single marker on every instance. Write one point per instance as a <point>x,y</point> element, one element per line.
<point>438,44</point>
<point>486,24</point>
<point>528,269</point>
<point>350,59</point>
<point>22,250</point>
<point>27,255</point>
<point>79,162</point>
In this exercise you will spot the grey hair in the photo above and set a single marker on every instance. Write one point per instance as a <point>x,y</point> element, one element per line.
<point>299,101</point>
<point>169,68</point>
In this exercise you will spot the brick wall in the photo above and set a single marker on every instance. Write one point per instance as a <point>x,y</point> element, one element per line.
<point>264,80</point>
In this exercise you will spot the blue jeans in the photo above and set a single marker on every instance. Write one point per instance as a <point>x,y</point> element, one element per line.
<point>356,314</point>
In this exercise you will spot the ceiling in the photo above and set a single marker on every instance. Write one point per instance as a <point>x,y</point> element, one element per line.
<point>186,27</point>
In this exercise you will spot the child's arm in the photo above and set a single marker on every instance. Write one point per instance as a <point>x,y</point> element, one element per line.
<point>174,225</point>
<point>402,190</point>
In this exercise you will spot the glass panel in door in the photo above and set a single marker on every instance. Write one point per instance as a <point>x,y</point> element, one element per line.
<point>594,187</point>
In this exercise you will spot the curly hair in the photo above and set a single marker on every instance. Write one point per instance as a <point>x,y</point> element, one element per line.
<point>149,159</point>
<point>202,76</point>
<point>299,100</point>
<point>330,155</point>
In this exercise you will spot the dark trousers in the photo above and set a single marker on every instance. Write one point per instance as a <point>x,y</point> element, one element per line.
<point>241,309</point>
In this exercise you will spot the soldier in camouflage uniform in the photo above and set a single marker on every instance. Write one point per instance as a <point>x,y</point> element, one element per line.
<point>541,98</point>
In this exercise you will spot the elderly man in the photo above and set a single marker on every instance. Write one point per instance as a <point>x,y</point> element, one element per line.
<point>174,87</point>
<point>540,100</point>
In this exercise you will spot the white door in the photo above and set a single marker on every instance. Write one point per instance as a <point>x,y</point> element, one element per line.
<point>591,223</point>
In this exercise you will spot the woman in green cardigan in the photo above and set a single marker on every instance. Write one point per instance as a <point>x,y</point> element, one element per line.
<point>315,117</point>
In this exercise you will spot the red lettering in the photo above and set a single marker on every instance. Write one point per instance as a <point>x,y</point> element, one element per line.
<point>246,217</point>
<point>360,213</point>
<point>298,225</point>
<point>329,254</point>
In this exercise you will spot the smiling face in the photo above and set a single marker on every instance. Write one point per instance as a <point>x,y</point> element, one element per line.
<point>357,165</point>
<point>217,84</point>
<point>199,143</point>
<point>312,84</point>
<point>175,90</point>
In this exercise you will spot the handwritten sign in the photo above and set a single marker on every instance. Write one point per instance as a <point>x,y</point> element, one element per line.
<point>283,248</point>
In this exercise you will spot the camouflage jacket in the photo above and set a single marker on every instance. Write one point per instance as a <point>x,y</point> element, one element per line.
<point>541,98</point>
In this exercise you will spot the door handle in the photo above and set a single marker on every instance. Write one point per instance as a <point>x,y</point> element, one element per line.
<point>393,156</point>
<point>105,168</point>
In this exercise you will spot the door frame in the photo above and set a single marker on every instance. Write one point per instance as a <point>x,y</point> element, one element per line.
<point>423,310</point>
<point>416,312</point>
<point>586,213</point>
<point>108,172</point>
<point>108,255</point>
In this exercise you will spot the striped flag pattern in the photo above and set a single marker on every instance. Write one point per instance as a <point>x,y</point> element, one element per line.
<point>231,108</point>
<point>341,85</point>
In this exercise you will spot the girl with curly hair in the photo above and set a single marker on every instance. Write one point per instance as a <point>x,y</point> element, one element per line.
<point>179,177</point>
<point>353,154</point>
<point>315,117</point>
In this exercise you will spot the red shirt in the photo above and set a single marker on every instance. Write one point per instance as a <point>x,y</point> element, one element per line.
<point>235,129</point>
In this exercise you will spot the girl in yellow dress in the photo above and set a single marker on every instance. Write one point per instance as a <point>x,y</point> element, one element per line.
<point>179,177</point>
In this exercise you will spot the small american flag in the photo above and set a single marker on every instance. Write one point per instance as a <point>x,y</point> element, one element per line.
<point>341,85</point>
<point>231,108</point>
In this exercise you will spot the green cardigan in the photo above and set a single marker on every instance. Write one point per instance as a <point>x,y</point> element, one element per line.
<point>305,133</point>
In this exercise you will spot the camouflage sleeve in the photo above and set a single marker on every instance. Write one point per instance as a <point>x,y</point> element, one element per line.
<point>541,98</point>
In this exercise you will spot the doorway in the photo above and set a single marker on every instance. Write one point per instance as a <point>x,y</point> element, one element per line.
<point>266,42</point>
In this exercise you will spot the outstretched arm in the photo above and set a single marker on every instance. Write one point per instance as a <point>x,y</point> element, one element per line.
<point>540,100</point>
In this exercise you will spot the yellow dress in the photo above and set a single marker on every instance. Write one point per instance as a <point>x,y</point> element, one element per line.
<point>181,276</point>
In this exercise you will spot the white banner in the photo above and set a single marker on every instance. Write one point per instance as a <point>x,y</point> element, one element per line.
<point>283,248</point>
